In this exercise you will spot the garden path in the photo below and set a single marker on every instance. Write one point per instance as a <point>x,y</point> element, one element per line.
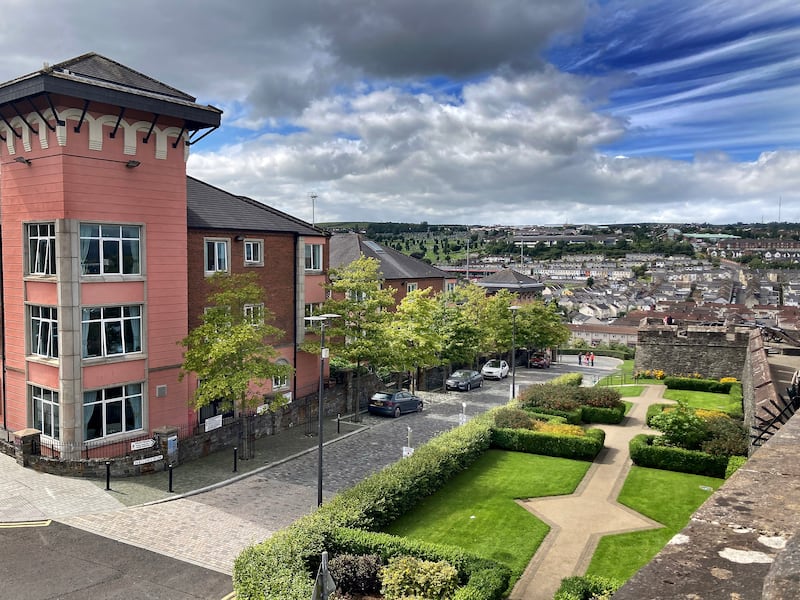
<point>578,521</point>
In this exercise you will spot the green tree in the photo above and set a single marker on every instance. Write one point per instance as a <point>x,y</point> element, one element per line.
<point>412,335</point>
<point>357,294</point>
<point>229,351</point>
<point>540,325</point>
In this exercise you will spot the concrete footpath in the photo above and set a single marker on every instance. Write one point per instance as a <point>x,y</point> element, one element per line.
<point>579,520</point>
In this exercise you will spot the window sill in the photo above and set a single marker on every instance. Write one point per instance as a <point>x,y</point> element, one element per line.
<point>42,360</point>
<point>91,361</point>
<point>111,278</point>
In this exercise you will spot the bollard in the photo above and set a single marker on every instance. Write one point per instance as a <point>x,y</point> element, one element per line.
<point>338,421</point>
<point>235,456</point>
<point>170,478</point>
<point>108,475</point>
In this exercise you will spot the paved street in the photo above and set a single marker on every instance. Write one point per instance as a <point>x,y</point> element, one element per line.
<point>210,528</point>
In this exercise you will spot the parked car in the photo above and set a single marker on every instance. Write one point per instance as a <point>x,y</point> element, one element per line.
<point>539,361</point>
<point>394,403</point>
<point>464,380</point>
<point>495,369</point>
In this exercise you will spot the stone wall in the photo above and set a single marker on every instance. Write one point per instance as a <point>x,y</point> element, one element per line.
<point>712,351</point>
<point>301,412</point>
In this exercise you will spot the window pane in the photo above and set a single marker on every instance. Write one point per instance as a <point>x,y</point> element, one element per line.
<point>92,421</point>
<point>92,340</point>
<point>113,417</point>
<point>113,331</point>
<point>90,257</point>
<point>130,257</point>
<point>110,256</point>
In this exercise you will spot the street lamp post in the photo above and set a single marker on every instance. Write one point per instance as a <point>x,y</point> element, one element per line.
<point>323,354</point>
<point>513,310</point>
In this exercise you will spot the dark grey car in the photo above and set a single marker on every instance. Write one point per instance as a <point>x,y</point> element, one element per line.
<point>464,380</point>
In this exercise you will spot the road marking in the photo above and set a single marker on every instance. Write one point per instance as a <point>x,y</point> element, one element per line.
<point>25,524</point>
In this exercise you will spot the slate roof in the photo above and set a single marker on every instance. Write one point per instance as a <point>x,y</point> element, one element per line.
<point>210,207</point>
<point>95,78</point>
<point>347,247</point>
<point>511,280</point>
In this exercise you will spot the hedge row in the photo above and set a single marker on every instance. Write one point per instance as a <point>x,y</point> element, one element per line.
<point>563,446</point>
<point>698,385</point>
<point>482,579</point>
<point>573,379</point>
<point>280,568</point>
<point>595,414</point>
<point>645,454</point>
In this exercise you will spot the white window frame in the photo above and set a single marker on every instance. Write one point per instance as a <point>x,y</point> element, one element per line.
<point>43,331</point>
<point>313,257</point>
<point>312,309</point>
<point>125,330</point>
<point>249,259</point>
<point>282,382</point>
<point>45,411</point>
<point>221,261</point>
<point>41,248</point>
<point>412,286</point>
<point>254,313</point>
<point>110,242</point>
<point>128,396</point>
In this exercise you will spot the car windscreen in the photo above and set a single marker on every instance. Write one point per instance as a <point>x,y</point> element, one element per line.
<point>493,364</point>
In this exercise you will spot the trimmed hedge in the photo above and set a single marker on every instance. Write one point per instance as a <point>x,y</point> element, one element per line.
<point>698,385</point>
<point>562,446</point>
<point>586,587</point>
<point>483,579</point>
<point>573,379</point>
<point>645,454</point>
<point>595,414</point>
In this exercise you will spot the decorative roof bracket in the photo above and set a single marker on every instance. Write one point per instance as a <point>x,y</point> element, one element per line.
<point>14,131</point>
<point>192,142</point>
<point>83,116</point>
<point>24,120</point>
<point>113,134</point>
<point>180,135</point>
<point>59,121</point>
<point>152,125</point>
<point>41,116</point>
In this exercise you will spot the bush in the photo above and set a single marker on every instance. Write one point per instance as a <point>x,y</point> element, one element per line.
<point>562,446</point>
<point>734,462</point>
<point>728,437</point>
<point>655,409</point>
<point>645,453</point>
<point>587,587</point>
<point>356,574</point>
<point>681,427</point>
<point>558,428</point>
<point>698,385</point>
<point>407,577</point>
<point>512,418</point>
<point>591,414</point>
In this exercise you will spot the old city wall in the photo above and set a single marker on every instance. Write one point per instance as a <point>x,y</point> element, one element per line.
<point>712,351</point>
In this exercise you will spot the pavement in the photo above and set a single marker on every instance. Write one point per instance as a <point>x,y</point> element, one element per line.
<point>212,514</point>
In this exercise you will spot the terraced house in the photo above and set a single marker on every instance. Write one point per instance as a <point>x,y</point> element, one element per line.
<point>106,247</point>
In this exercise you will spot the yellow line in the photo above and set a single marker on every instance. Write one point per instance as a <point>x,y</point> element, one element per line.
<point>25,524</point>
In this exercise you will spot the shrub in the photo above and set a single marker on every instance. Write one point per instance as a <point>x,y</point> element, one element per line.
<point>698,385</point>
<point>599,397</point>
<point>408,577</point>
<point>728,380</point>
<point>562,446</point>
<point>646,454</point>
<point>592,414</point>
<point>587,587</point>
<point>681,427</point>
<point>558,428</point>
<point>358,574</point>
<point>727,437</point>
<point>512,418</point>
<point>655,409</point>
<point>734,462</point>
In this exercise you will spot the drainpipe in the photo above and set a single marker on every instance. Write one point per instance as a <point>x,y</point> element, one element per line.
<point>3,335</point>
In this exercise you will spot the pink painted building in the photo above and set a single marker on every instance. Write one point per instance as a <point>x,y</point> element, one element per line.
<point>97,254</point>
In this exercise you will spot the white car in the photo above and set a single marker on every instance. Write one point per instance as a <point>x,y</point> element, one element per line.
<point>495,369</point>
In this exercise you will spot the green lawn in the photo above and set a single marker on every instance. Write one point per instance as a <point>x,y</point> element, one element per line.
<point>630,391</point>
<point>476,510</point>
<point>645,491</point>
<point>705,400</point>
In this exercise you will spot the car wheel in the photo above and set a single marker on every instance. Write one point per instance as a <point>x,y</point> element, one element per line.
<point>397,412</point>
<point>419,407</point>
<point>480,383</point>
<point>469,386</point>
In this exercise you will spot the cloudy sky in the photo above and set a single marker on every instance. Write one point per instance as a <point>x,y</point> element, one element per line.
<point>467,111</point>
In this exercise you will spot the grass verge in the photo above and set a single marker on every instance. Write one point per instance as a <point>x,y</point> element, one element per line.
<point>705,400</point>
<point>477,509</point>
<point>620,556</point>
